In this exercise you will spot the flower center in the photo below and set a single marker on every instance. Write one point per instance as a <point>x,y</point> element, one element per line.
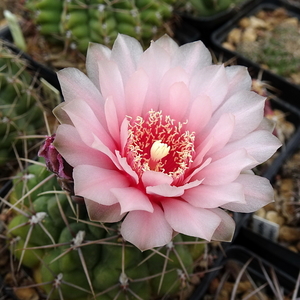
<point>159,143</point>
<point>158,151</point>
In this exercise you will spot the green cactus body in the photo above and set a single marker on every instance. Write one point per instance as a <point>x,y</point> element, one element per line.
<point>207,8</point>
<point>74,258</point>
<point>21,111</point>
<point>80,22</point>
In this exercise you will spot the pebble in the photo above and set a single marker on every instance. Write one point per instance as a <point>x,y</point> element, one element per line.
<point>234,37</point>
<point>26,293</point>
<point>249,35</point>
<point>275,217</point>
<point>289,234</point>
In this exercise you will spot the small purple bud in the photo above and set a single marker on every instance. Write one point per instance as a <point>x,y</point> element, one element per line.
<point>54,161</point>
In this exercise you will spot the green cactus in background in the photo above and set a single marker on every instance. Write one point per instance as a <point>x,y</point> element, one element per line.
<point>21,113</point>
<point>277,49</point>
<point>206,8</point>
<point>74,258</point>
<point>78,22</point>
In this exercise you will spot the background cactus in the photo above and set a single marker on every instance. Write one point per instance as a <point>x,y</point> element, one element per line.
<point>78,22</point>
<point>278,50</point>
<point>22,112</point>
<point>206,8</point>
<point>74,258</point>
<point>269,38</point>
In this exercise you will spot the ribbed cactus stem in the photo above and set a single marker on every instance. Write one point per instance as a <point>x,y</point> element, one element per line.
<point>75,258</point>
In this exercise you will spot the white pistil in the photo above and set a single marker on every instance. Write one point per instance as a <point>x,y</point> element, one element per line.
<point>158,151</point>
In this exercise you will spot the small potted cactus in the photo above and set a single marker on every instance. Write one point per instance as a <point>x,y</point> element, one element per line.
<point>265,36</point>
<point>208,15</point>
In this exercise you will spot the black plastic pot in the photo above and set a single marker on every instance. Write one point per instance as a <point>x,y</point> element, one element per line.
<point>287,89</point>
<point>259,268</point>
<point>206,25</point>
<point>185,33</point>
<point>285,259</point>
<point>242,255</point>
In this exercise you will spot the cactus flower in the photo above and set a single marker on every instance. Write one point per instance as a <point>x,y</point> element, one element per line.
<point>164,140</point>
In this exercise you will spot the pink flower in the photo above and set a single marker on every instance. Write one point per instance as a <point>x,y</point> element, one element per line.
<point>164,140</point>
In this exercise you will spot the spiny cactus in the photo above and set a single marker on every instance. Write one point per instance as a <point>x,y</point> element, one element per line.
<point>206,8</point>
<point>21,111</point>
<point>78,22</point>
<point>278,50</point>
<point>74,258</point>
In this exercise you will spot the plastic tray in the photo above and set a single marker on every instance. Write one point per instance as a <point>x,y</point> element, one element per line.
<point>287,89</point>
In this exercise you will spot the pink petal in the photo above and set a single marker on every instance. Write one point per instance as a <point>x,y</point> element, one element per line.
<point>61,115</point>
<point>172,76</point>
<point>124,134</point>
<point>135,93</point>
<point>192,56</point>
<point>247,108</point>
<point>207,196</point>
<point>95,183</point>
<point>167,44</point>
<point>225,230</point>
<point>152,178</point>
<point>111,84</point>
<point>146,230</point>
<point>75,152</point>
<point>199,114</point>
<point>239,79</point>
<point>266,124</point>
<point>258,193</point>
<point>126,52</point>
<point>220,133</point>
<point>226,169</point>
<point>126,168</point>
<point>197,170</point>
<point>103,213</point>
<point>112,120</point>
<point>261,145</point>
<point>201,153</point>
<point>176,101</point>
<point>76,85</point>
<point>190,220</point>
<point>166,190</point>
<point>96,53</point>
<point>212,82</point>
<point>155,61</point>
<point>86,123</point>
<point>98,145</point>
<point>131,198</point>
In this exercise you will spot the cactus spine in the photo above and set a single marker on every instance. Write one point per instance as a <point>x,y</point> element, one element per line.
<point>74,258</point>
<point>21,113</point>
